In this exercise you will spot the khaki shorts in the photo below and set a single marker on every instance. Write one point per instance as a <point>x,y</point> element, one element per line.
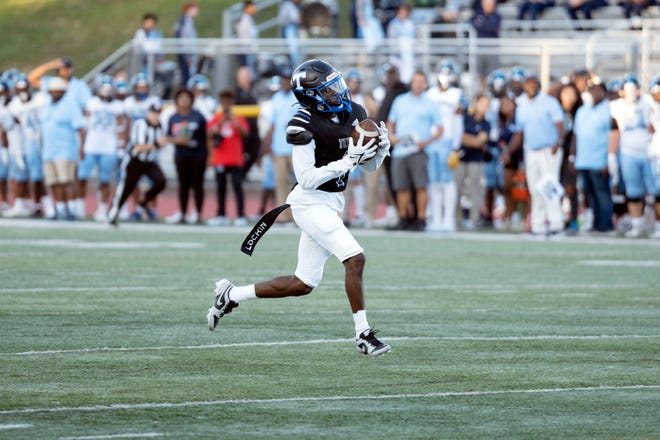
<point>59,171</point>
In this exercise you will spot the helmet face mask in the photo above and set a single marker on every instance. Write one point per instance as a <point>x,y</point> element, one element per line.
<point>317,85</point>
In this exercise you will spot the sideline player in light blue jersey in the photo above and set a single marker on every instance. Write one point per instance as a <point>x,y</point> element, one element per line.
<point>25,106</point>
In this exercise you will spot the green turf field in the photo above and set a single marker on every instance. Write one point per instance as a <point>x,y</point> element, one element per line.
<point>103,335</point>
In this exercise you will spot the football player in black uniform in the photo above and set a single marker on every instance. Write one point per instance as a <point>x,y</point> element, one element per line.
<point>323,155</point>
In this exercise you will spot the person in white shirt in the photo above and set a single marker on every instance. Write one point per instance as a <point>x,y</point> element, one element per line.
<point>25,108</point>
<point>204,103</point>
<point>654,152</point>
<point>362,187</point>
<point>100,150</point>
<point>442,191</point>
<point>632,138</point>
<point>7,123</point>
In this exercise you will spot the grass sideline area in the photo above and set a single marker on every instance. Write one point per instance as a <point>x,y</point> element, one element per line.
<point>104,336</point>
<point>88,31</point>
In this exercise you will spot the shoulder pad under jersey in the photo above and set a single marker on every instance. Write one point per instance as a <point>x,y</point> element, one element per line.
<point>298,135</point>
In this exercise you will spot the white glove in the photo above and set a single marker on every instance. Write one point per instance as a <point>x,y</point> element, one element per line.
<point>383,140</point>
<point>613,168</point>
<point>357,153</point>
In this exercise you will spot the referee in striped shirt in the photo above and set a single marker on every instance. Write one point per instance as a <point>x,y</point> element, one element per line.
<point>147,138</point>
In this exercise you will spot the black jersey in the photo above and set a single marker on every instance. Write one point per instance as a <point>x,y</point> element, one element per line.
<point>331,138</point>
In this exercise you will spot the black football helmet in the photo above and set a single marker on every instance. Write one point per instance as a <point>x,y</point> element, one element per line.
<point>320,87</point>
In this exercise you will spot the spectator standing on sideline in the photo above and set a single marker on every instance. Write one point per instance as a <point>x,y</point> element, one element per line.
<point>283,104</point>
<point>247,33</point>
<point>632,137</point>
<point>414,123</point>
<point>148,41</point>
<point>104,115</point>
<point>588,156</point>
<point>184,28</point>
<point>187,131</point>
<point>63,137</point>
<point>401,31</point>
<point>390,87</point>
<point>540,131</point>
<point>474,145</point>
<point>146,139</point>
<point>289,19</point>
<point>243,95</point>
<point>225,133</point>
<point>76,89</point>
<point>487,23</point>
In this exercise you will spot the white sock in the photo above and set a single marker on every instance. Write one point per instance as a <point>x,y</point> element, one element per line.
<point>637,223</point>
<point>360,319</point>
<point>60,207</point>
<point>241,293</point>
<point>449,196</point>
<point>19,204</point>
<point>657,226</point>
<point>79,208</point>
<point>436,203</point>
<point>103,208</point>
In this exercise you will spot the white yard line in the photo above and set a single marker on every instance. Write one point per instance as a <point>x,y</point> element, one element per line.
<point>330,341</point>
<point>165,405</point>
<point>620,263</point>
<point>127,435</point>
<point>80,244</point>
<point>15,426</point>
<point>203,229</point>
<point>83,289</point>
<point>498,287</point>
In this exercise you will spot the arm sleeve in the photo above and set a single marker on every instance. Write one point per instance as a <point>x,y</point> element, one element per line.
<point>309,176</point>
<point>373,165</point>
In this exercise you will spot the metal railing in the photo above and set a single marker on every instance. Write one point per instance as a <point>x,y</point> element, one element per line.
<point>610,52</point>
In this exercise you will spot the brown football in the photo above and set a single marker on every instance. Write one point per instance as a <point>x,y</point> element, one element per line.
<point>368,128</point>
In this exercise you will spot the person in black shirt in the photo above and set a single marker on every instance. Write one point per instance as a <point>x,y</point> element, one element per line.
<point>473,147</point>
<point>187,131</point>
<point>146,140</point>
